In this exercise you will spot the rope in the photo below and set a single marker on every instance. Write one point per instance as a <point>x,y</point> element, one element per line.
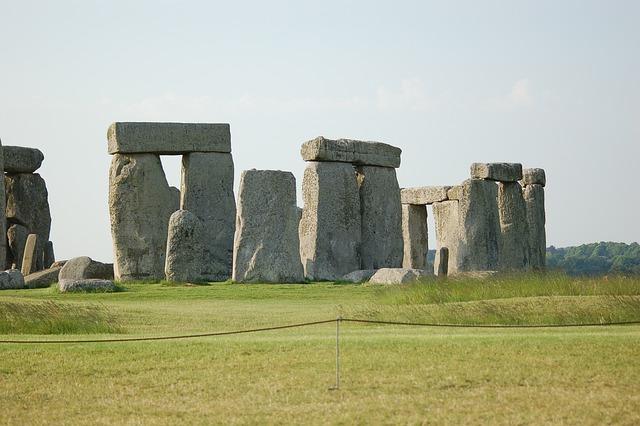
<point>306,324</point>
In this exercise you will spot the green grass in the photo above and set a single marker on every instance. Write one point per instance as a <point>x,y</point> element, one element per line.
<point>390,374</point>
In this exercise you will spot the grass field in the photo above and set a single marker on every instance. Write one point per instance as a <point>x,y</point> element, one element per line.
<point>390,374</point>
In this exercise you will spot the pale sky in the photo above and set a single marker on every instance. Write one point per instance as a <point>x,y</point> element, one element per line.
<point>551,84</point>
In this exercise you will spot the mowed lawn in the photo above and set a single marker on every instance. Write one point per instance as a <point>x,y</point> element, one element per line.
<point>390,374</point>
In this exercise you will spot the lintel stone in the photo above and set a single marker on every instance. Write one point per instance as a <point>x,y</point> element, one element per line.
<point>168,138</point>
<point>529,176</point>
<point>361,153</point>
<point>424,195</point>
<point>502,172</point>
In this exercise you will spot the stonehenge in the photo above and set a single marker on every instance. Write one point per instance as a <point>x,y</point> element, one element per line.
<point>415,236</point>
<point>534,181</point>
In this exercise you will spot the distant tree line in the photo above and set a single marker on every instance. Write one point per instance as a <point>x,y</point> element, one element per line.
<point>590,259</point>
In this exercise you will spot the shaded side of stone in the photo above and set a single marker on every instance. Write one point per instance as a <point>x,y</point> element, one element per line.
<point>70,285</point>
<point>11,279</point>
<point>3,218</point>
<point>415,236</point>
<point>43,278</point>
<point>49,255</point>
<point>534,199</point>
<point>16,239</point>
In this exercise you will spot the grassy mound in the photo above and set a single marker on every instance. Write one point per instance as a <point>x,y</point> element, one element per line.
<point>55,318</point>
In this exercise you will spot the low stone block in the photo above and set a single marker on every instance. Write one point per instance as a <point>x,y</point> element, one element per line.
<point>360,153</point>
<point>44,278</point>
<point>11,279</point>
<point>415,236</point>
<point>85,268</point>
<point>18,159</point>
<point>70,285</point>
<point>184,248</point>
<point>168,138</point>
<point>424,195</point>
<point>397,276</point>
<point>360,276</point>
<point>503,172</point>
<point>266,245</point>
<point>534,177</point>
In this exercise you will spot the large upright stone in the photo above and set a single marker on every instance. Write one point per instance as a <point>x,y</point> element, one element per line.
<point>16,238</point>
<point>266,246</point>
<point>29,256</point>
<point>415,236</point>
<point>28,205</point>
<point>168,138</point>
<point>503,172</point>
<point>140,203</point>
<point>351,151</point>
<point>514,238</point>
<point>381,216</point>
<point>184,248</point>
<point>424,195</point>
<point>330,229</point>
<point>207,192</point>
<point>534,200</point>
<point>3,219</point>
<point>19,159</point>
<point>448,234</point>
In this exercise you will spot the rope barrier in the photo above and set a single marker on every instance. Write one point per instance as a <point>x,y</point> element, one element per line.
<point>306,324</point>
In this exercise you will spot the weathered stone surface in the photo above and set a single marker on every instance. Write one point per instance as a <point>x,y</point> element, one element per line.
<point>514,249</point>
<point>503,172</point>
<point>455,193</point>
<point>11,279</point>
<point>534,177</point>
<point>175,196</point>
<point>397,276</point>
<point>442,267</point>
<point>42,278</point>
<point>184,248</point>
<point>28,205</point>
<point>3,218</point>
<point>381,216</point>
<point>18,159</point>
<point>351,151</point>
<point>168,138</point>
<point>415,236</point>
<point>267,246</point>
<point>360,276</point>
<point>330,229</point>
<point>448,235</point>
<point>207,192</point>
<point>424,195</point>
<point>70,285</point>
<point>140,203</point>
<point>534,200</point>
<point>17,238</point>
<point>59,263</point>
<point>85,268</point>
<point>49,255</point>
<point>29,255</point>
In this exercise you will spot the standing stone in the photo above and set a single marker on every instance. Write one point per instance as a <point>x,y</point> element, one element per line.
<point>534,200</point>
<point>330,229</point>
<point>175,198</point>
<point>140,204</point>
<point>446,217</point>
<point>267,246</point>
<point>29,258</point>
<point>415,236</point>
<point>49,256</point>
<point>514,250</point>
<point>28,205</point>
<point>3,218</point>
<point>442,268</point>
<point>381,215</point>
<point>19,159</point>
<point>207,192</point>
<point>184,248</point>
<point>17,238</point>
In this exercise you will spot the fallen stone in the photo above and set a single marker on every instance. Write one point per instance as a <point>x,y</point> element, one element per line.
<point>28,205</point>
<point>168,138</point>
<point>16,238</point>
<point>534,201</point>
<point>85,268</point>
<point>140,204</point>
<point>415,236</point>
<point>397,276</point>
<point>503,172</point>
<point>424,195</point>
<point>11,279</point>
<point>29,255</point>
<point>360,276</point>
<point>381,216</point>
<point>534,177</point>
<point>70,285</point>
<point>514,238</point>
<point>330,229</point>
<point>351,151</point>
<point>267,246</point>
<point>207,192</point>
<point>448,235</point>
<point>18,159</point>
<point>49,256</point>
<point>42,279</point>
<point>184,248</point>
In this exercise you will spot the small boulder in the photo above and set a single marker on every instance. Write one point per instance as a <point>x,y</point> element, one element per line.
<point>85,268</point>
<point>11,279</point>
<point>43,278</point>
<point>397,276</point>
<point>68,285</point>
<point>360,276</point>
